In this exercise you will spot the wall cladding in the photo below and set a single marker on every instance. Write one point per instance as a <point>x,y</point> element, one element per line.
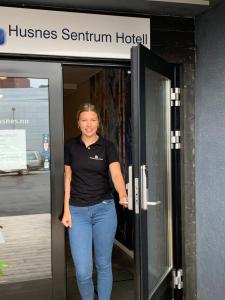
<point>210,145</point>
<point>173,39</point>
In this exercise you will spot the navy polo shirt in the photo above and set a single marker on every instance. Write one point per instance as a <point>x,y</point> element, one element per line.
<point>90,183</point>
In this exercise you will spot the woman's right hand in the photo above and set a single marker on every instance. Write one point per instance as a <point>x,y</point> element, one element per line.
<point>66,219</point>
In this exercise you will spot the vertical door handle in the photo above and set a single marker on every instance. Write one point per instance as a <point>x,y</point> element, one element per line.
<point>144,189</point>
<point>129,186</point>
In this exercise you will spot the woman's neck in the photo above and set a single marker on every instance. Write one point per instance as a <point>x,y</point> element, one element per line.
<point>89,140</point>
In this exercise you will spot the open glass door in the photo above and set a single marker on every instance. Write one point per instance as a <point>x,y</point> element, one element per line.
<point>31,181</point>
<point>151,84</point>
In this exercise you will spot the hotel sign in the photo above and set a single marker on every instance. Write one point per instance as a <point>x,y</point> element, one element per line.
<point>44,32</point>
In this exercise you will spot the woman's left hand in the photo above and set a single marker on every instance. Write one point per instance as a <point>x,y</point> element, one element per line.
<point>123,201</point>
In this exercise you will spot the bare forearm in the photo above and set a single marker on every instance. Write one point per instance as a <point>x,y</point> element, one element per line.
<point>68,175</point>
<point>67,194</point>
<point>66,219</point>
<point>119,185</point>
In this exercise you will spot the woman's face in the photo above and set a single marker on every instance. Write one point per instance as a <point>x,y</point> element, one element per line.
<point>88,123</point>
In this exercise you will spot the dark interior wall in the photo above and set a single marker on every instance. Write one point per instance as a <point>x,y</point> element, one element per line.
<point>72,100</point>
<point>174,40</point>
<point>210,146</point>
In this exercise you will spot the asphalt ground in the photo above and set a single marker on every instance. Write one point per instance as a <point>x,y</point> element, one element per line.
<point>25,194</point>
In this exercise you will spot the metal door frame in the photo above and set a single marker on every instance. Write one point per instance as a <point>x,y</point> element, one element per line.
<point>53,72</point>
<point>140,60</point>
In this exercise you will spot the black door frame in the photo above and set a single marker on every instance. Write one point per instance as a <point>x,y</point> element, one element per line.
<point>53,72</point>
<point>171,71</point>
<point>52,68</point>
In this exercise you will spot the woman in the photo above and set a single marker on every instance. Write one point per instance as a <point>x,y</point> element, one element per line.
<point>89,209</point>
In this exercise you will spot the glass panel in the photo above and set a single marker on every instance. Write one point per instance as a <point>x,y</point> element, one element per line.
<point>157,145</point>
<point>25,218</point>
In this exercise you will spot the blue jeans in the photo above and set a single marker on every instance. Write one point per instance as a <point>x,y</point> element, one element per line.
<point>93,225</point>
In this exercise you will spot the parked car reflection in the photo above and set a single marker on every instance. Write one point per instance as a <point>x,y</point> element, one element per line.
<point>34,162</point>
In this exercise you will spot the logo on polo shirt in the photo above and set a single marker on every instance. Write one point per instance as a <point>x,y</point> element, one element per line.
<point>96,157</point>
<point>2,36</point>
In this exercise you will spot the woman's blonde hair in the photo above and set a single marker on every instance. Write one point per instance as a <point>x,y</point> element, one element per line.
<point>88,107</point>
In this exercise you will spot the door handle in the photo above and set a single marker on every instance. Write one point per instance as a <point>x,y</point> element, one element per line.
<point>144,189</point>
<point>129,187</point>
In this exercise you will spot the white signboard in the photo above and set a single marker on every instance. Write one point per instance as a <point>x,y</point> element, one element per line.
<point>44,32</point>
<point>13,150</point>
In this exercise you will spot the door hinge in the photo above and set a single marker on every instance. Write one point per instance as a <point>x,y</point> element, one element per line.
<point>175,139</point>
<point>178,279</point>
<point>175,96</point>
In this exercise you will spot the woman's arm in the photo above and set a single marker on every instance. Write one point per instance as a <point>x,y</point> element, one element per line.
<point>66,220</point>
<point>118,182</point>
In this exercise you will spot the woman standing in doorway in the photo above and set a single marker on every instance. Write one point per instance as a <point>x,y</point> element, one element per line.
<point>89,209</point>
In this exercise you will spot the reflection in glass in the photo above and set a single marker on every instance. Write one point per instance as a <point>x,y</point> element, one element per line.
<point>157,141</point>
<point>25,179</point>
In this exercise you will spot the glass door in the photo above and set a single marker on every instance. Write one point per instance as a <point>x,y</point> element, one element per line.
<point>151,85</point>
<point>31,181</point>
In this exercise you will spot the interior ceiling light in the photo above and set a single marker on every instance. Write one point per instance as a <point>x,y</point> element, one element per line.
<point>196,2</point>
